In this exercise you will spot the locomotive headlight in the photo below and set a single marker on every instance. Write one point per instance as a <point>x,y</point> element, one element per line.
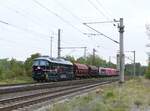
<point>38,67</point>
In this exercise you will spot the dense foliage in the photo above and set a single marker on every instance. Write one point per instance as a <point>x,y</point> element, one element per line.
<point>139,69</point>
<point>28,63</point>
<point>96,61</point>
<point>11,69</point>
<point>147,74</point>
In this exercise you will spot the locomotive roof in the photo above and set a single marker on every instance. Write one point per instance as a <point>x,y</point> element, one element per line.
<point>54,60</point>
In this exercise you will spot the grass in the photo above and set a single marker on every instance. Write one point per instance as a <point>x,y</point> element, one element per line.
<point>17,80</point>
<point>133,94</point>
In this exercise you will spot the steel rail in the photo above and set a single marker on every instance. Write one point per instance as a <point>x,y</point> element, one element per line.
<point>51,96</point>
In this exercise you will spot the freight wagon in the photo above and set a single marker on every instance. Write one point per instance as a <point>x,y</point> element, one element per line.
<point>93,71</point>
<point>105,72</point>
<point>80,70</point>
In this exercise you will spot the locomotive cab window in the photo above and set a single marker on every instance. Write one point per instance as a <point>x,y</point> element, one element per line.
<point>40,63</point>
<point>35,63</point>
<point>44,63</point>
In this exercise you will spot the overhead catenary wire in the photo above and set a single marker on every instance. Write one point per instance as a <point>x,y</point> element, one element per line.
<point>101,33</point>
<point>75,16</point>
<point>100,22</point>
<point>24,29</point>
<point>106,11</point>
<point>67,10</point>
<point>10,41</point>
<point>72,51</point>
<point>86,24</point>
<point>34,18</point>
<point>109,18</point>
<point>24,15</point>
<point>129,58</point>
<point>98,10</point>
<point>16,43</point>
<point>101,5</point>
<point>61,18</point>
<point>4,22</point>
<point>40,20</point>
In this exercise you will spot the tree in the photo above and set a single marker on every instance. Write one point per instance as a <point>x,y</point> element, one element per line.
<point>97,61</point>
<point>4,66</point>
<point>28,63</point>
<point>17,68</point>
<point>11,68</point>
<point>139,70</point>
<point>70,58</point>
<point>147,74</point>
<point>82,60</point>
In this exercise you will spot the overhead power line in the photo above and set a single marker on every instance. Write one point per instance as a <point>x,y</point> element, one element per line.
<point>34,17</point>
<point>67,10</point>
<point>129,58</point>
<point>72,47</point>
<point>101,33</point>
<point>61,18</point>
<point>99,22</point>
<point>24,29</point>
<point>23,15</point>
<point>101,5</point>
<point>16,43</point>
<point>10,41</point>
<point>103,14</point>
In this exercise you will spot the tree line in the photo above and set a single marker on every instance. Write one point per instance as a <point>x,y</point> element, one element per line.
<point>12,68</point>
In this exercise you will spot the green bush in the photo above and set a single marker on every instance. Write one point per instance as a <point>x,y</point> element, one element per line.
<point>13,69</point>
<point>28,64</point>
<point>109,94</point>
<point>138,102</point>
<point>147,74</point>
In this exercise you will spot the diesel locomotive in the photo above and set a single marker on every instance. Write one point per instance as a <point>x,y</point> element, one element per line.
<point>45,68</point>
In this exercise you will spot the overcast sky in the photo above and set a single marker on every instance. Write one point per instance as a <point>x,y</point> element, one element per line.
<point>29,26</point>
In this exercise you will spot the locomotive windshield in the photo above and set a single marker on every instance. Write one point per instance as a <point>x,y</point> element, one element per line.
<point>40,63</point>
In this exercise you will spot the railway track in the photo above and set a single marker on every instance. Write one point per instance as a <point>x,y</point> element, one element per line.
<point>12,103</point>
<point>17,84</point>
<point>36,86</point>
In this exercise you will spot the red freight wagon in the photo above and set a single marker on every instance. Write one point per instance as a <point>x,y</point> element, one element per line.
<point>114,72</point>
<point>93,70</point>
<point>111,72</point>
<point>108,71</point>
<point>80,70</point>
<point>102,71</point>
